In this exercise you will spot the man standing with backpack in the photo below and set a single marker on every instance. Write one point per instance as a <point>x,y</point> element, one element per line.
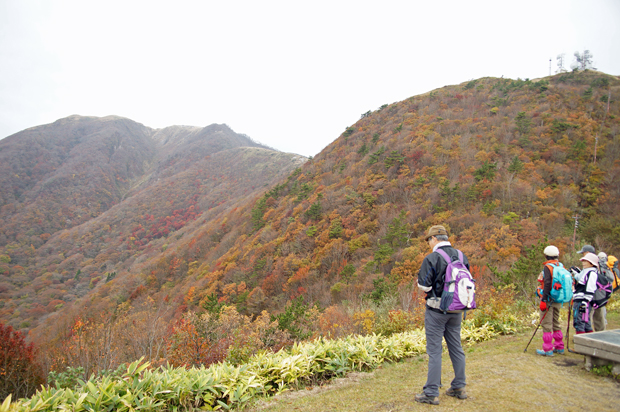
<point>555,278</point>
<point>439,321</point>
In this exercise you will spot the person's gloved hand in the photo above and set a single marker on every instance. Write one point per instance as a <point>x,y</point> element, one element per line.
<point>574,270</point>
<point>583,307</point>
<point>543,306</point>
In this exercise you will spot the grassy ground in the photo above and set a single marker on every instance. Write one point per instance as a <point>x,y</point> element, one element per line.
<point>500,377</point>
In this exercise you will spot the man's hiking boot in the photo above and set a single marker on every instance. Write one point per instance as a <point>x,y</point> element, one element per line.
<point>422,398</point>
<point>559,351</point>
<point>457,393</point>
<point>543,353</point>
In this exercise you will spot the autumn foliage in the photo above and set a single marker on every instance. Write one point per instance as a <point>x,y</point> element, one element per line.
<point>20,373</point>
<point>206,339</point>
<point>208,223</point>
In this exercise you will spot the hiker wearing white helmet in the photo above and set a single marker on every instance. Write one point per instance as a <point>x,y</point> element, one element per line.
<point>550,309</point>
<point>585,286</point>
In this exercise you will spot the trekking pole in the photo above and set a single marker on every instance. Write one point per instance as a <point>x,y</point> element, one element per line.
<point>570,312</point>
<point>539,323</point>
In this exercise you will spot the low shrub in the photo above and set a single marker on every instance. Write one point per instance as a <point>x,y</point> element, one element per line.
<point>397,321</point>
<point>209,338</point>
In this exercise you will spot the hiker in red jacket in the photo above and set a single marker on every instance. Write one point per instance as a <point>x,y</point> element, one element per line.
<point>549,310</point>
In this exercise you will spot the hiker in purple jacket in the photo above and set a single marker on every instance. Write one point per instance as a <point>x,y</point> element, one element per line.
<point>440,325</point>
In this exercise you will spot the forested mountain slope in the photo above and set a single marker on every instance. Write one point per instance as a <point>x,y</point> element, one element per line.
<point>84,198</point>
<point>62,174</point>
<point>501,163</point>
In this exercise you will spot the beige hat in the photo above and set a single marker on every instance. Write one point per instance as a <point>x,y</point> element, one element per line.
<point>436,230</point>
<point>591,257</point>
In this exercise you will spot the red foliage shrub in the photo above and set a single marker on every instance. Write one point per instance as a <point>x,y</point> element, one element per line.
<point>137,292</point>
<point>416,156</point>
<point>20,374</point>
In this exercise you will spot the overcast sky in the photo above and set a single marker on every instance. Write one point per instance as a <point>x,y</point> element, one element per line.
<point>290,74</point>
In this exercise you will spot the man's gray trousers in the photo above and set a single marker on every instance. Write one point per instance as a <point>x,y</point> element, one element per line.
<point>438,326</point>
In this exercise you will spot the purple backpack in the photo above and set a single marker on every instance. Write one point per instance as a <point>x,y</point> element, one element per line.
<point>459,289</point>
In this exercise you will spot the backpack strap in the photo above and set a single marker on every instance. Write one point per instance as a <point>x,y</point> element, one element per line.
<point>445,257</point>
<point>448,260</point>
<point>553,266</point>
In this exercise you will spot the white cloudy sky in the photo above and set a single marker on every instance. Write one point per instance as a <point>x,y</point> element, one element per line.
<point>290,74</point>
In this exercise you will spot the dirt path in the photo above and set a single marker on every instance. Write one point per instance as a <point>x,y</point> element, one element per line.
<point>500,377</point>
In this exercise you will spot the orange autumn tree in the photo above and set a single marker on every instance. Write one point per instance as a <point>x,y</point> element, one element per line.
<point>228,335</point>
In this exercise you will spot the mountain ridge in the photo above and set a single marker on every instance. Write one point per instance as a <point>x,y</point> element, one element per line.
<point>95,173</point>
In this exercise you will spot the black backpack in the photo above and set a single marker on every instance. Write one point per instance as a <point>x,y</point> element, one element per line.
<point>603,290</point>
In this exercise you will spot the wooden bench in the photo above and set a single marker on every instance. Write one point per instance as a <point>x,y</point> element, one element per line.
<point>600,349</point>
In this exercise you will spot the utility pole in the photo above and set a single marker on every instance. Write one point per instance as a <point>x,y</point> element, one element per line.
<point>602,123</point>
<point>576,217</point>
<point>549,67</point>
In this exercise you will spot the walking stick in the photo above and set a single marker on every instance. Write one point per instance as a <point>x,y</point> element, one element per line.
<point>570,312</point>
<point>539,323</point>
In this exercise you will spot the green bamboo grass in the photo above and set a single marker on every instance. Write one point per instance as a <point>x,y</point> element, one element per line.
<point>224,386</point>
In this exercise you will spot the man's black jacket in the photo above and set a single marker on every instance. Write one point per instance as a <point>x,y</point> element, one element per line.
<point>433,270</point>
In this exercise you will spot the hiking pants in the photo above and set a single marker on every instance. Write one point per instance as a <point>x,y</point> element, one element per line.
<point>581,321</point>
<point>551,322</point>
<point>441,326</point>
<point>598,320</point>
<point>552,331</point>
